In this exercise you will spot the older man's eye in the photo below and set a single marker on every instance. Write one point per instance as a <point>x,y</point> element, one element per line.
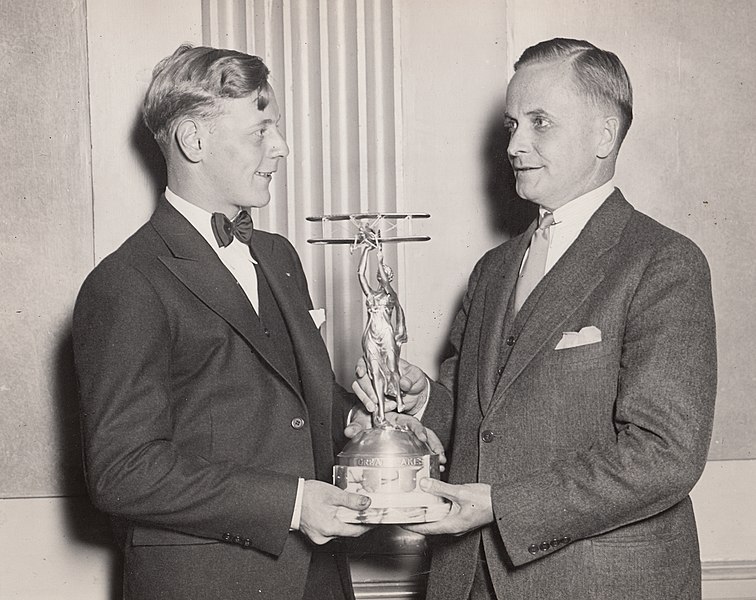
<point>541,123</point>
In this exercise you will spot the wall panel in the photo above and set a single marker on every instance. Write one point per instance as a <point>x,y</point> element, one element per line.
<point>45,241</point>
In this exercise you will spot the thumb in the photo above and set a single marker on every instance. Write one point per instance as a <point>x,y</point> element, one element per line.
<point>355,501</point>
<point>438,488</point>
<point>360,369</point>
<point>352,429</point>
<point>406,383</point>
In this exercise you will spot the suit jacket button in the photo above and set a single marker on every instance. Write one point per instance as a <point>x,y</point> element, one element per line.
<point>544,546</point>
<point>237,539</point>
<point>226,537</point>
<point>500,370</point>
<point>533,549</point>
<point>297,422</point>
<point>487,436</point>
<point>247,543</point>
<point>510,340</point>
<point>566,540</point>
<point>554,543</point>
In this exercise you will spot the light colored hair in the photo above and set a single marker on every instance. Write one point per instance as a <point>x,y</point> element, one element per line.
<point>190,82</point>
<point>598,74</point>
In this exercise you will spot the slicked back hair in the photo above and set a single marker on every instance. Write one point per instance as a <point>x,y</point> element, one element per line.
<point>190,83</point>
<point>598,74</point>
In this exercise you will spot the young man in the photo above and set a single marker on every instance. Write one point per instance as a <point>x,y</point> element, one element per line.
<point>210,413</point>
<point>579,399</point>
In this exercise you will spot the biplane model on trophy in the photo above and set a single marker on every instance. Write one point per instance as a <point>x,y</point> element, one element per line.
<point>387,461</point>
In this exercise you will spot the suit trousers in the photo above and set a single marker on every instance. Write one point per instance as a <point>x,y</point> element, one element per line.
<point>158,572</point>
<point>482,587</point>
<point>328,578</point>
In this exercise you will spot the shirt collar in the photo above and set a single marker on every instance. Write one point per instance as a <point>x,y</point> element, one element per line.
<point>200,219</point>
<point>582,207</point>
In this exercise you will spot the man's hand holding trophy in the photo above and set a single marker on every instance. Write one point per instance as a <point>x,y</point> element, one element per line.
<point>390,450</point>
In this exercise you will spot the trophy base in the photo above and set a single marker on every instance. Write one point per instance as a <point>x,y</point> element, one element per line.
<point>386,463</point>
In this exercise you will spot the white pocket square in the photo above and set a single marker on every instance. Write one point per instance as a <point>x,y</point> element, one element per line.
<point>573,339</point>
<point>318,316</point>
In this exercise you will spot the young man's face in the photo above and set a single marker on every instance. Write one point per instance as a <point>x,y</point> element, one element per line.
<point>555,135</point>
<point>243,148</point>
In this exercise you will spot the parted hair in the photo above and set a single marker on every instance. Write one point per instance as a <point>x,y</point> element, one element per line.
<point>190,83</point>
<point>598,74</point>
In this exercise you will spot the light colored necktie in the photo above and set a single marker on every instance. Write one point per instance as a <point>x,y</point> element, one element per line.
<point>535,264</point>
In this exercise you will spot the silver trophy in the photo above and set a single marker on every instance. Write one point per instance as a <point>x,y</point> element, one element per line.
<point>385,462</point>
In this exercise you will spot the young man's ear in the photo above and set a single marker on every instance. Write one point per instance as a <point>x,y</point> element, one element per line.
<point>609,136</point>
<point>189,137</point>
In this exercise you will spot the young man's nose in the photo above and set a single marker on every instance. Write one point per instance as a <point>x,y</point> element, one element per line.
<point>279,147</point>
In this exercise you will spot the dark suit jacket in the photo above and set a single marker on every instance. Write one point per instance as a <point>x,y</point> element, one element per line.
<point>195,427</point>
<point>590,451</point>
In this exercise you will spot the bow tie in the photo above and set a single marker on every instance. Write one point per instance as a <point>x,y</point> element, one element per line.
<point>225,230</point>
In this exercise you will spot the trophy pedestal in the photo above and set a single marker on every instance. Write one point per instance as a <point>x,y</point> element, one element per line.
<point>386,463</point>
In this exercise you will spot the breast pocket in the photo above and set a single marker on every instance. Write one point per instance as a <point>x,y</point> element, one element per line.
<point>585,353</point>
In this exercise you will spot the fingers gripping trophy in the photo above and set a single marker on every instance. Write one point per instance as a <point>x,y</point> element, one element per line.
<point>385,462</point>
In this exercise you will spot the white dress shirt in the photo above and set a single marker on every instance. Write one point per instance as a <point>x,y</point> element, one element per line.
<point>235,256</point>
<point>570,220</point>
<point>239,262</point>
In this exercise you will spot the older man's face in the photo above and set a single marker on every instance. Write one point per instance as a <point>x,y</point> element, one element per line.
<point>555,136</point>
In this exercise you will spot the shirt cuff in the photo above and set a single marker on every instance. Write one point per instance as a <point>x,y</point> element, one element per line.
<point>297,515</point>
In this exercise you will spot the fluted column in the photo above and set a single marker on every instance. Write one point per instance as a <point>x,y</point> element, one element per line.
<point>333,65</point>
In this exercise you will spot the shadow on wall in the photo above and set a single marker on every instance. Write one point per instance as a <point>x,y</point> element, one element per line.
<point>150,156</point>
<point>84,524</point>
<point>509,215</point>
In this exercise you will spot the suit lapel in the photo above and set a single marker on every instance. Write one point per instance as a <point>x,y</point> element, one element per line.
<point>313,364</point>
<point>198,267</point>
<point>500,286</point>
<point>565,287</point>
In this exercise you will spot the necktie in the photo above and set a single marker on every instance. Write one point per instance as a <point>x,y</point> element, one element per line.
<point>225,230</point>
<point>535,264</point>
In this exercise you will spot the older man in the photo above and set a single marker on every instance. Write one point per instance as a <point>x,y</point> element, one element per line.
<point>210,413</point>
<point>579,399</point>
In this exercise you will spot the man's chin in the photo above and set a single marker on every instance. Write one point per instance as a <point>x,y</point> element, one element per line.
<point>256,200</point>
<point>526,193</point>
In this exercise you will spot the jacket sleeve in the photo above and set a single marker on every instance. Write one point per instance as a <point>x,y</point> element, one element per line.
<point>663,413</point>
<point>122,347</point>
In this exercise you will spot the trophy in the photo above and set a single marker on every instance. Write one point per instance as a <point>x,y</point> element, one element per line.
<point>385,462</point>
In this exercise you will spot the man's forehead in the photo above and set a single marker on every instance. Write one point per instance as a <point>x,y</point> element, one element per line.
<point>247,107</point>
<point>541,87</point>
